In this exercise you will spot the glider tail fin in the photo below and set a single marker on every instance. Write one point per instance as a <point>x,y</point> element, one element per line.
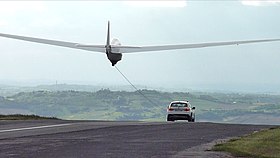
<point>108,34</point>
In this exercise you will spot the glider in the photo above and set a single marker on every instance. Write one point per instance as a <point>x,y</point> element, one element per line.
<point>114,49</point>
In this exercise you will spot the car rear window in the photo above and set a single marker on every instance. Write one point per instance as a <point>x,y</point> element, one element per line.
<point>179,105</point>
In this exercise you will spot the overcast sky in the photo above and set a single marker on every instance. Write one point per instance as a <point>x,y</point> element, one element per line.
<point>144,23</point>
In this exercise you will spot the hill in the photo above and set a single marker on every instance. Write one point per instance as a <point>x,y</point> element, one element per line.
<point>122,105</point>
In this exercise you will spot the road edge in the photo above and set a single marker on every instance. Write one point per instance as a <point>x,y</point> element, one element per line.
<point>205,150</point>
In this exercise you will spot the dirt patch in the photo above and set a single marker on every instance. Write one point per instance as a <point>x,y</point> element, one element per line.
<point>204,151</point>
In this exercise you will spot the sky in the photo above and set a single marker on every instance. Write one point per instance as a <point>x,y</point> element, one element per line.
<point>252,67</point>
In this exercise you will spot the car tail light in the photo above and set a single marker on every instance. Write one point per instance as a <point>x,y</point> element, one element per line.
<point>187,109</point>
<point>169,109</point>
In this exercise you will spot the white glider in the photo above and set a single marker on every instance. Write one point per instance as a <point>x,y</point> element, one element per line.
<point>114,49</point>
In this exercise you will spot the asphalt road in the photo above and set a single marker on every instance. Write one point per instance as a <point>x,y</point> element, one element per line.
<point>94,139</point>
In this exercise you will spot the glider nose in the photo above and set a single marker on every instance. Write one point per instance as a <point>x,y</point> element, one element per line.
<point>113,62</point>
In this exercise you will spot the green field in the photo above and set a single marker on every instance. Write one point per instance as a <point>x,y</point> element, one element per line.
<point>263,144</point>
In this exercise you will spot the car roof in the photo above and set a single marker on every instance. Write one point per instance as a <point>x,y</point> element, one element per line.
<point>186,102</point>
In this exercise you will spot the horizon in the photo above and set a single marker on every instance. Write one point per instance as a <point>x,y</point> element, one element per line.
<point>250,89</point>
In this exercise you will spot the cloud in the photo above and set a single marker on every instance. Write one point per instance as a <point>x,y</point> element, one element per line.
<point>261,2</point>
<point>12,7</point>
<point>3,23</point>
<point>157,3</point>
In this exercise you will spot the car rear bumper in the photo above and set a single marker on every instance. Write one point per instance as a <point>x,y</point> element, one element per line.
<point>179,116</point>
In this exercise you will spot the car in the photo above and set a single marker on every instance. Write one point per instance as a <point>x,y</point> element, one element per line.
<point>180,110</point>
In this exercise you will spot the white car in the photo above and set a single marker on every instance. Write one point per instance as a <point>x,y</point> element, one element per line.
<point>180,110</point>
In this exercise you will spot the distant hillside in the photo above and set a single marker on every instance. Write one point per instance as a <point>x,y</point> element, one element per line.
<point>12,90</point>
<point>122,105</point>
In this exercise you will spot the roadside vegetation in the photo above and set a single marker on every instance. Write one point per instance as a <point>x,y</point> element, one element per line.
<point>24,117</point>
<point>263,144</point>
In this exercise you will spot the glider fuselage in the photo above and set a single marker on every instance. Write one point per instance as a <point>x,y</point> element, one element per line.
<point>113,57</point>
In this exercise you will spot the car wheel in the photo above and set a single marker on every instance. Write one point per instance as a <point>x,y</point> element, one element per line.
<point>193,120</point>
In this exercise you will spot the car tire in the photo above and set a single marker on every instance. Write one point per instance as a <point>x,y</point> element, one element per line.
<point>193,120</point>
<point>192,117</point>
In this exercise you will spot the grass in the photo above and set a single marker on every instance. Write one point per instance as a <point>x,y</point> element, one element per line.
<point>263,144</point>
<point>24,117</point>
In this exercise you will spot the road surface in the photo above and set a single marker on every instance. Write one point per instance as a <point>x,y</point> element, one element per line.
<point>94,139</point>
